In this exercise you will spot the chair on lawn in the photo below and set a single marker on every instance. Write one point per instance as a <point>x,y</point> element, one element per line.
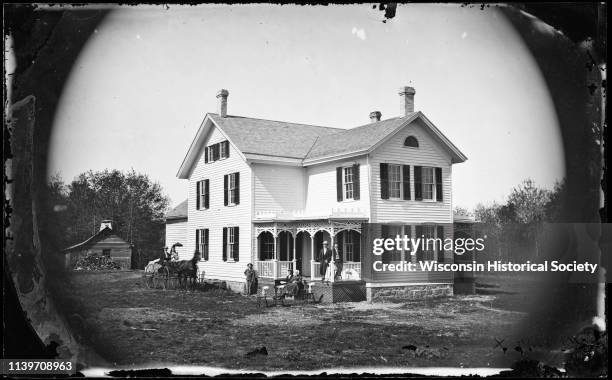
<point>308,293</point>
<point>262,297</point>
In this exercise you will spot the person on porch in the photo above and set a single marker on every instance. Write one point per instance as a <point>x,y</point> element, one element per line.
<point>338,261</point>
<point>325,256</point>
<point>251,280</point>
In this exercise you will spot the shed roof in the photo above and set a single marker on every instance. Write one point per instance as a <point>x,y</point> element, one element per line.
<point>179,212</point>
<point>102,234</point>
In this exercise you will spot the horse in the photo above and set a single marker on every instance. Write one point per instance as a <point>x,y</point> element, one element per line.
<point>187,269</point>
<point>183,269</point>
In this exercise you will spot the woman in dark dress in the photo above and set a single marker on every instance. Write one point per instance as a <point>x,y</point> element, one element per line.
<point>251,280</point>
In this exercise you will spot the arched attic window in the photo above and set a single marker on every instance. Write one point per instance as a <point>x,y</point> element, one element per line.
<point>411,141</point>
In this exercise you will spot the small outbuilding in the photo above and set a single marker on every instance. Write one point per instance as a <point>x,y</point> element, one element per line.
<point>104,243</point>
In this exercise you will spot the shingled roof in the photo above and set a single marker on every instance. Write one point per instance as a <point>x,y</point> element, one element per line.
<point>303,143</point>
<point>179,212</point>
<point>355,139</point>
<point>271,137</point>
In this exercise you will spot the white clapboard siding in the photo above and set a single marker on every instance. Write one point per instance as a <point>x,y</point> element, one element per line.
<point>176,232</point>
<point>278,188</point>
<point>429,153</point>
<point>218,215</point>
<point>321,196</point>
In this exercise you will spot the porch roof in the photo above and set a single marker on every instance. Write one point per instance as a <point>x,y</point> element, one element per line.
<point>301,216</point>
<point>309,218</point>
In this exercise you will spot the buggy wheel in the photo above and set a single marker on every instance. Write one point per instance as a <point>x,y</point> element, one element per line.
<point>148,281</point>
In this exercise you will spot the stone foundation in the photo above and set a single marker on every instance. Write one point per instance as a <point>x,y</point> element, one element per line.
<point>234,286</point>
<point>408,292</point>
<point>464,286</point>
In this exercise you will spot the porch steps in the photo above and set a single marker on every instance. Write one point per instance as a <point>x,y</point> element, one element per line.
<point>340,291</point>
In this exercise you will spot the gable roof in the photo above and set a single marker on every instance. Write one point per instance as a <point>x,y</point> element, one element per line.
<point>271,137</point>
<point>102,234</point>
<point>355,139</point>
<point>179,212</point>
<point>304,144</point>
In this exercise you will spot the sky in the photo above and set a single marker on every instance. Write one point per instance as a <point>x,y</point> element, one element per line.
<point>148,75</point>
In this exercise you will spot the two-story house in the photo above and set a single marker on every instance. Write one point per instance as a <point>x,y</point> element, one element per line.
<point>270,192</point>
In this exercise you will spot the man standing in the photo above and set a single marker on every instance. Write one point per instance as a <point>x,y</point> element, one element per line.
<point>325,256</point>
<point>338,261</point>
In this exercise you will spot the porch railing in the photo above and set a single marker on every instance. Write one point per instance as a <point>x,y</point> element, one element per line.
<point>351,270</point>
<point>273,269</point>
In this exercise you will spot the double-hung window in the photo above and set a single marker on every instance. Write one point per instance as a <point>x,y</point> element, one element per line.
<point>202,196</point>
<point>429,184</point>
<point>230,243</point>
<point>348,183</point>
<point>231,189</point>
<point>395,181</point>
<point>222,150</point>
<point>202,242</point>
<point>431,245</point>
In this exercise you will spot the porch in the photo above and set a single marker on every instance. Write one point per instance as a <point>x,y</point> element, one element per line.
<point>283,245</point>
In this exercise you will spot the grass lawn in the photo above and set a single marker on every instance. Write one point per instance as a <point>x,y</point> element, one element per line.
<point>130,325</point>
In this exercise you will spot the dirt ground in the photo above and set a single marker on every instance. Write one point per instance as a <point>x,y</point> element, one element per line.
<point>130,325</point>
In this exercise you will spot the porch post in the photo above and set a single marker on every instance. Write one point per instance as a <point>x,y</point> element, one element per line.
<point>332,264</point>
<point>275,261</point>
<point>294,258</point>
<point>312,257</point>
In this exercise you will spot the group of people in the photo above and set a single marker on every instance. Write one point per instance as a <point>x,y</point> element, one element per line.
<point>325,258</point>
<point>290,285</point>
<point>293,283</point>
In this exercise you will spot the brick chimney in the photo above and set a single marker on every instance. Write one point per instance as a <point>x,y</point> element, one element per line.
<point>406,100</point>
<point>106,223</point>
<point>375,116</point>
<point>222,102</point>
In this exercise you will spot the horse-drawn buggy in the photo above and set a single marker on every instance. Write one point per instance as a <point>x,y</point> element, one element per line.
<point>169,273</point>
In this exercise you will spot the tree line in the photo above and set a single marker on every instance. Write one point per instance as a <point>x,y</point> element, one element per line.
<point>514,228</point>
<point>135,204</point>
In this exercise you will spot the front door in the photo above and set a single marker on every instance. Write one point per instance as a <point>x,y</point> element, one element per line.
<point>303,253</point>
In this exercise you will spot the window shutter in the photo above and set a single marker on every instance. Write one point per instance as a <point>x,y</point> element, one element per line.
<point>206,155</point>
<point>197,240</point>
<point>439,184</point>
<point>198,189</point>
<point>224,243</point>
<point>236,243</point>
<point>237,200</point>
<point>440,235</point>
<point>384,233</point>
<point>419,235</point>
<point>384,181</point>
<point>206,241</point>
<point>339,190</point>
<point>356,183</point>
<point>225,179</point>
<point>406,181</point>
<point>206,193</point>
<point>226,148</point>
<point>418,183</point>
